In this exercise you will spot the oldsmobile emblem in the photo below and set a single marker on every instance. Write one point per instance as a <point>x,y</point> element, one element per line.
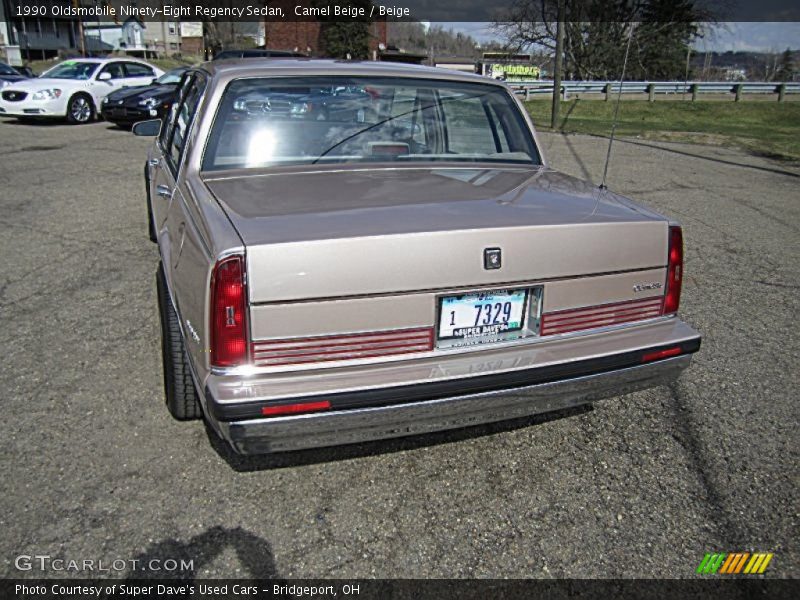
<point>641,287</point>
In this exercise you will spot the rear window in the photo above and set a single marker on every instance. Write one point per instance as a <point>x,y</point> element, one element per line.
<point>311,120</point>
<point>138,70</point>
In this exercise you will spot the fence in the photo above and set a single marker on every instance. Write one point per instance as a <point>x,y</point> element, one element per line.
<point>652,88</point>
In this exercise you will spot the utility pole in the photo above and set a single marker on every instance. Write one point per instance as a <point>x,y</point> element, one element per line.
<point>558,65</point>
<point>163,31</point>
<point>686,75</point>
<point>76,4</point>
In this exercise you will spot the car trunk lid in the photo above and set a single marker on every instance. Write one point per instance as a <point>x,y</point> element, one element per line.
<point>322,233</point>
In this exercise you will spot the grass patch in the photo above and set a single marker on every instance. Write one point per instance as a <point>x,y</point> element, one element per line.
<point>769,129</point>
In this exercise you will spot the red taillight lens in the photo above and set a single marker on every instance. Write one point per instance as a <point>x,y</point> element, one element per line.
<point>291,409</point>
<point>228,313</point>
<point>672,299</point>
<point>659,354</point>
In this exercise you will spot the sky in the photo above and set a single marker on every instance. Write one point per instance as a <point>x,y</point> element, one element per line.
<point>749,36</point>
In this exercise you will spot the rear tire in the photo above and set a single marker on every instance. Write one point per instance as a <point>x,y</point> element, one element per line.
<point>181,395</point>
<point>80,109</point>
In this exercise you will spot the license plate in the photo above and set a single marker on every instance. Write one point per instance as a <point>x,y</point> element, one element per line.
<point>482,315</point>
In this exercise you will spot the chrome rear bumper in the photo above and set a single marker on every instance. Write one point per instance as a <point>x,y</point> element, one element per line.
<point>280,434</point>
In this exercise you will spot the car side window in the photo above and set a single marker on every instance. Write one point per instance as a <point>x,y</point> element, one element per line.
<point>171,118</point>
<point>468,121</point>
<point>115,69</point>
<point>407,110</point>
<point>138,70</point>
<point>183,120</point>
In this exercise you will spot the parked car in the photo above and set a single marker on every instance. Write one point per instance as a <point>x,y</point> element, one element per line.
<point>412,267</point>
<point>9,75</point>
<point>256,53</point>
<point>25,71</point>
<point>342,102</point>
<point>74,89</point>
<point>129,105</point>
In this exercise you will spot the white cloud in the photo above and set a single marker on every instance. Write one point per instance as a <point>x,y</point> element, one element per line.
<point>742,36</point>
<point>749,36</point>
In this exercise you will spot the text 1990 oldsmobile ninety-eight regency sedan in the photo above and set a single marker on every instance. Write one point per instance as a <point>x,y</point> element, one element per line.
<point>357,251</point>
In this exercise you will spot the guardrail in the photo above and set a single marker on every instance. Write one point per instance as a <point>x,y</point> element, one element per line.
<point>652,88</point>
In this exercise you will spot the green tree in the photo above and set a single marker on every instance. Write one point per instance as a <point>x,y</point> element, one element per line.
<point>341,37</point>
<point>663,39</point>
<point>785,71</point>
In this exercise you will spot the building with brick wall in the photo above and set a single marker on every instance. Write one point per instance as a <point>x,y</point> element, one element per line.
<point>192,42</point>
<point>304,36</point>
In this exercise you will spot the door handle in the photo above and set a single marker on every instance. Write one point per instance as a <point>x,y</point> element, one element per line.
<point>153,162</point>
<point>164,191</point>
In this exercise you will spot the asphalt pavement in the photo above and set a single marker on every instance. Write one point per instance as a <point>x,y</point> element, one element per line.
<point>643,485</point>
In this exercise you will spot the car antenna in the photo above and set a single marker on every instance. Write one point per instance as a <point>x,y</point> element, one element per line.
<point>603,185</point>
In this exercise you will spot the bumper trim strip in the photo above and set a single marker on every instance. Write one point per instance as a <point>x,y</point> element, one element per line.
<point>334,428</point>
<point>457,387</point>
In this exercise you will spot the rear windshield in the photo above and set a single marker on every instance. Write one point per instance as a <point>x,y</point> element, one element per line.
<point>313,120</point>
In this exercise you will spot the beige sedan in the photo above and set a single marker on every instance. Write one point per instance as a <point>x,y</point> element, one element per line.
<point>357,251</point>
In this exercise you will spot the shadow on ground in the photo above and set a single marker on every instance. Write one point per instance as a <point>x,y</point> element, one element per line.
<point>253,552</point>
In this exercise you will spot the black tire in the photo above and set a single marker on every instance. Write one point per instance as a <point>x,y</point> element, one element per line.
<point>181,396</point>
<point>151,228</point>
<point>80,109</point>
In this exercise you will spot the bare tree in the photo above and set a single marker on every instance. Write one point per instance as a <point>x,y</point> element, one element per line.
<point>597,30</point>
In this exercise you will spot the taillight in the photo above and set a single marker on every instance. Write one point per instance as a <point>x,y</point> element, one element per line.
<point>659,354</point>
<point>228,313</point>
<point>292,409</point>
<point>672,299</point>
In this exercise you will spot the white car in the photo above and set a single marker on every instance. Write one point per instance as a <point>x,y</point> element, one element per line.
<point>74,88</point>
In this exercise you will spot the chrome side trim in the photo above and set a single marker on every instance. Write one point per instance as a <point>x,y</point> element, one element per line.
<point>281,434</point>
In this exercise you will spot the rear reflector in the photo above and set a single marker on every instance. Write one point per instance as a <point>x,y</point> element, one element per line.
<point>293,409</point>
<point>672,298</point>
<point>659,354</point>
<point>228,313</point>
<point>591,317</point>
<point>342,347</point>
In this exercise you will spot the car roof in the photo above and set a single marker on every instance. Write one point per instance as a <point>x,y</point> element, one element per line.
<point>257,53</point>
<point>105,60</point>
<point>234,68</point>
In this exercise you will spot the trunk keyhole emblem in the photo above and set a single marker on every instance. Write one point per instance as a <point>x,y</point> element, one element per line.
<point>492,258</point>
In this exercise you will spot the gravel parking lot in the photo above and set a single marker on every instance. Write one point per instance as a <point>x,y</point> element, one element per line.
<point>638,486</point>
